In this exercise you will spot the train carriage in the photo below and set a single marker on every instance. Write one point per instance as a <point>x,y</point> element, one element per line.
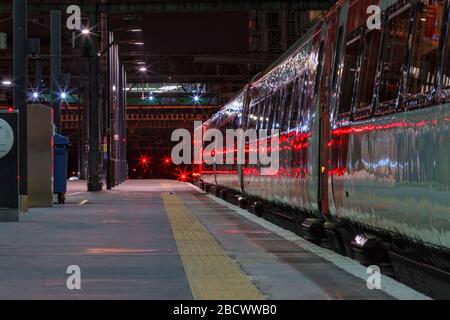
<point>363,118</point>
<point>229,117</point>
<point>389,141</point>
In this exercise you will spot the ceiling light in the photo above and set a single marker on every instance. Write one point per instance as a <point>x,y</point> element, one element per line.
<point>142,69</point>
<point>6,82</point>
<point>85,31</point>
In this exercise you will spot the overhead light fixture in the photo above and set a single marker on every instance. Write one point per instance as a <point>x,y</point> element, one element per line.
<point>85,31</point>
<point>137,43</point>
<point>6,82</point>
<point>143,69</point>
<point>135,30</point>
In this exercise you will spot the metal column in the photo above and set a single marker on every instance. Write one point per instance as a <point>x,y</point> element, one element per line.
<point>20,94</point>
<point>107,118</point>
<point>116,117</point>
<point>122,124</point>
<point>113,115</point>
<point>94,167</point>
<point>55,66</point>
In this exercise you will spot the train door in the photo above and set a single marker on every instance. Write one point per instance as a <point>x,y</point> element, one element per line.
<point>309,120</point>
<point>332,37</point>
<point>243,125</point>
<point>350,61</point>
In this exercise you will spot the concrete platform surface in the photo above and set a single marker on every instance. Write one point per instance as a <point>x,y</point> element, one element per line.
<point>151,239</point>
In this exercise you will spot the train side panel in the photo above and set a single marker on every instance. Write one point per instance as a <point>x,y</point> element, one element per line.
<point>395,175</point>
<point>293,95</point>
<point>220,173</point>
<point>389,154</point>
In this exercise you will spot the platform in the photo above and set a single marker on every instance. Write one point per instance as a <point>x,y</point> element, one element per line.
<point>151,239</point>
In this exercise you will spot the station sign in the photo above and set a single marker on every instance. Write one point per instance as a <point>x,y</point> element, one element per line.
<point>9,166</point>
<point>6,138</point>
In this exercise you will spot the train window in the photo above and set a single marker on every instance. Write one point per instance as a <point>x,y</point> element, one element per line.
<point>368,68</point>
<point>255,115</point>
<point>337,57</point>
<point>394,55</point>
<point>275,111</point>
<point>271,115</point>
<point>266,113</point>
<point>296,103</point>
<point>251,121</point>
<point>260,115</point>
<point>349,75</point>
<point>427,35</point>
<point>286,107</point>
<point>319,69</point>
<point>446,70</point>
<point>246,121</point>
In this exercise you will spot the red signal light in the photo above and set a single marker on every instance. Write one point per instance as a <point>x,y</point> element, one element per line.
<point>166,161</point>
<point>10,109</point>
<point>144,163</point>
<point>183,175</point>
<point>144,160</point>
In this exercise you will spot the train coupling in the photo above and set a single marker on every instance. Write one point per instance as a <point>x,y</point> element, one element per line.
<point>313,230</point>
<point>368,249</point>
<point>243,202</point>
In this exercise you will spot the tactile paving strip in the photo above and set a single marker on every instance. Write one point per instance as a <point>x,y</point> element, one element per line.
<point>211,273</point>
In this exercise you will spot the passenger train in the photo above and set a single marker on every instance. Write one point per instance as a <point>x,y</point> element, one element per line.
<point>364,126</point>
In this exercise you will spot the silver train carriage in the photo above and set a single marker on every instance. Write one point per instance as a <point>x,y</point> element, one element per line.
<point>364,120</point>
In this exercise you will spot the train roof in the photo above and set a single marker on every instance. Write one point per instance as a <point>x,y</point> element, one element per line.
<point>289,53</point>
<point>232,105</point>
<point>283,58</point>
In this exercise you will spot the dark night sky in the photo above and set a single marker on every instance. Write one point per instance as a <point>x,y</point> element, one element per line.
<point>196,32</point>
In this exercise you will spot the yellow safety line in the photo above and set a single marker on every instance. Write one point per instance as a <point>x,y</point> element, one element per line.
<point>211,273</point>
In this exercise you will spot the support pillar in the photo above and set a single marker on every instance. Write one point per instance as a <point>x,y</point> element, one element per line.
<point>55,66</point>
<point>94,163</point>
<point>20,94</point>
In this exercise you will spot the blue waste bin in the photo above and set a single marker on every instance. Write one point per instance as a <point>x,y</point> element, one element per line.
<point>61,150</point>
